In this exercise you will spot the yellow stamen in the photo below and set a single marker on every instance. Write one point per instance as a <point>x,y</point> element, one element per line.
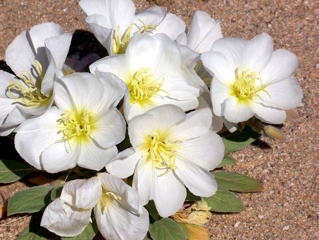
<point>76,125</point>
<point>119,44</point>
<point>107,199</point>
<point>142,86</point>
<point>161,151</point>
<point>245,86</point>
<point>28,93</point>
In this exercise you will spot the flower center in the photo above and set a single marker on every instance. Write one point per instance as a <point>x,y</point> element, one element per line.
<point>107,199</point>
<point>119,44</point>
<point>28,93</point>
<point>143,86</point>
<point>161,150</point>
<point>245,87</point>
<point>77,125</point>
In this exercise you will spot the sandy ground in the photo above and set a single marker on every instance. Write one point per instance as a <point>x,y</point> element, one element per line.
<point>288,207</point>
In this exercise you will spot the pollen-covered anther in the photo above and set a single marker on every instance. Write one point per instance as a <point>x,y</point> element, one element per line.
<point>143,85</point>
<point>162,152</point>
<point>75,124</point>
<point>245,86</point>
<point>26,90</point>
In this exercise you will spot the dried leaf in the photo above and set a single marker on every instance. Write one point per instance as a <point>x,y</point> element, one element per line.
<point>40,180</point>
<point>194,232</point>
<point>4,205</point>
<point>198,214</point>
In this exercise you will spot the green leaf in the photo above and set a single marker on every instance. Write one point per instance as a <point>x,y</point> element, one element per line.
<point>191,197</point>
<point>239,139</point>
<point>56,192</point>
<point>237,182</point>
<point>12,135</point>
<point>34,232</point>
<point>88,233</point>
<point>226,161</point>
<point>166,229</point>
<point>150,207</point>
<point>30,200</point>
<point>11,171</point>
<point>224,201</point>
<point>146,238</point>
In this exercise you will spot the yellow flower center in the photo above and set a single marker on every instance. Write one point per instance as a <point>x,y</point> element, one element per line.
<point>245,86</point>
<point>77,125</point>
<point>119,44</point>
<point>142,86</point>
<point>28,93</point>
<point>160,150</point>
<point>107,199</point>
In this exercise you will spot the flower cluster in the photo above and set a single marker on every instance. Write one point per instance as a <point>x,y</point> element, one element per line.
<point>175,88</point>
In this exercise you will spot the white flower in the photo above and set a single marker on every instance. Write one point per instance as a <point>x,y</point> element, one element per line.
<point>118,211</point>
<point>153,70</point>
<point>252,80</point>
<point>203,32</point>
<point>83,128</point>
<point>34,56</point>
<point>170,149</point>
<point>114,22</point>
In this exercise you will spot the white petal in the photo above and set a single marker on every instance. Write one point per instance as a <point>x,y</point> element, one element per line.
<point>282,65</point>
<point>198,180</point>
<point>94,157</point>
<point>58,157</point>
<point>6,79</point>
<point>143,180</point>
<point>232,49</point>
<point>217,64</point>
<point>236,111</point>
<point>35,135</point>
<point>268,114</point>
<point>129,197</point>
<point>162,117</point>
<point>19,54</point>
<point>124,164</point>
<point>81,193</point>
<point>101,29</point>
<point>203,32</point>
<point>169,193</point>
<point>117,223</point>
<point>151,16</point>
<point>189,56</point>
<point>196,124</point>
<point>111,129</point>
<point>59,48</point>
<point>63,220</point>
<point>219,92</point>
<point>172,26</point>
<point>284,94</point>
<point>258,52</point>
<point>10,122</point>
<point>206,151</point>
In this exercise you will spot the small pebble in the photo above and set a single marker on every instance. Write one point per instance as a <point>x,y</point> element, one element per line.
<point>260,216</point>
<point>236,224</point>
<point>285,228</point>
<point>317,66</point>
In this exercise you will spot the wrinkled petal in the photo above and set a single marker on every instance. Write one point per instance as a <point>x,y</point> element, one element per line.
<point>64,220</point>
<point>81,193</point>
<point>117,223</point>
<point>268,114</point>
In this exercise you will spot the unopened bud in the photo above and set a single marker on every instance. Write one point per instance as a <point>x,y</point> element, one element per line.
<point>275,133</point>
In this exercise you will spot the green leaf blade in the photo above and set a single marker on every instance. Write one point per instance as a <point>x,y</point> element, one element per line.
<point>239,139</point>
<point>166,229</point>
<point>34,232</point>
<point>30,200</point>
<point>237,182</point>
<point>226,161</point>
<point>12,171</point>
<point>224,201</point>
